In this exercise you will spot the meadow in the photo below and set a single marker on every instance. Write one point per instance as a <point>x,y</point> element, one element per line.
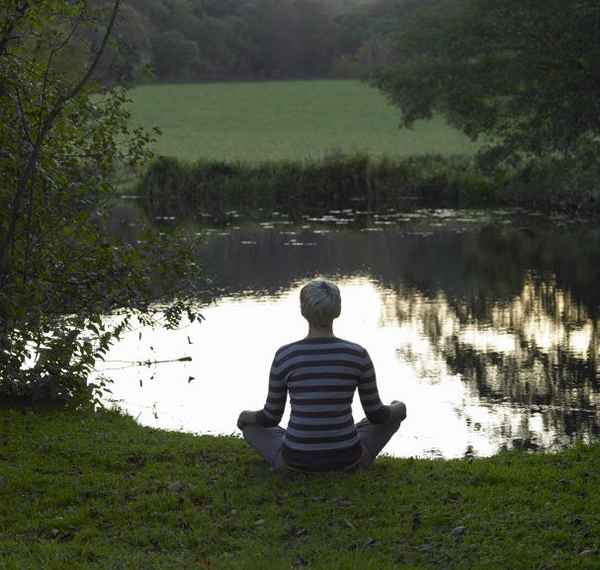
<point>81,490</point>
<point>284,120</point>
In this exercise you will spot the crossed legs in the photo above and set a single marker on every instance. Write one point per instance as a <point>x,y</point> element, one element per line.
<point>373,437</point>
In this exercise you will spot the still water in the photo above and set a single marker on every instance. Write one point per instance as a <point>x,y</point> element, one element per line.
<point>485,324</point>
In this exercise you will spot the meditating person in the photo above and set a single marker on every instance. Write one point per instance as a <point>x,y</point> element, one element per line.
<point>321,373</point>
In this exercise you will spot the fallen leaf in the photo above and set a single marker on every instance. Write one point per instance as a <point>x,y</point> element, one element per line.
<point>136,460</point>
<point>177,487</point>
<point>458,533</point>
<point>416,520</point>
<point>343,502</point>
<point>300,532</point>
<point>588,552</point>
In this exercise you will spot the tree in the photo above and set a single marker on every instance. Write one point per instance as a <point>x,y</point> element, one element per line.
<point>522,74</point>
<point>173,54</point>
<point>60,143</point>
<point>317,36</point>
<point>127,54</point>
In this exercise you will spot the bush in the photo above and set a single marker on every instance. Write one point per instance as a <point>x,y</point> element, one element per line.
<point>174,188</point>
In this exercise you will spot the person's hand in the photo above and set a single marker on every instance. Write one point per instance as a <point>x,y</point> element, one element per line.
<point>398,410</point>
<point>246,418</point>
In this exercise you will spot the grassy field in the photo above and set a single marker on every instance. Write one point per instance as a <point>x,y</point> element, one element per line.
<point>257,121</point>
<point>99,491</point>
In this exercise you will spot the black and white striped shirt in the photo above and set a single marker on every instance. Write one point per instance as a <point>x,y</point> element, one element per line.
<point>321,376</point>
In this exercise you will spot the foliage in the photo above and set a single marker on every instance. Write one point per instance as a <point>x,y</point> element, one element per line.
<point>521,75</point>
<point>173,54</point>
<point>365,36</point>
<point>59,148</point>
<point>153,499</point>
<point>254,39</point>
<point>211,189</point>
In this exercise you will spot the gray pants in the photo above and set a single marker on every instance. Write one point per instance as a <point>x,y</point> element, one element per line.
<point>268,442</point>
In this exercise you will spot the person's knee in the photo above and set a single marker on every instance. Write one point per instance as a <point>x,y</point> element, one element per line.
<point>366,458</point>
<point>251,432</point>
<point>398,413</point>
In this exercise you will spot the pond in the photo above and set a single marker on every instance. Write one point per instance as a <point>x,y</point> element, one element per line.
<point>485,323</point>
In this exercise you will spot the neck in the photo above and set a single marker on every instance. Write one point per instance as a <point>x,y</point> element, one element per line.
<point>315,331</point>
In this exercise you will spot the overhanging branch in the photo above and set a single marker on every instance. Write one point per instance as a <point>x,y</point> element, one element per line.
<point>45,128</point>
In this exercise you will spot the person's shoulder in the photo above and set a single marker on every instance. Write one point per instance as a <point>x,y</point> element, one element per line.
<point>290,346</point>
<point>354,346</point>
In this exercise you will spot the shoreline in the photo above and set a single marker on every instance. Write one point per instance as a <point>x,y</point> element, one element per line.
<point>210,189</point>
<point>98,490</point>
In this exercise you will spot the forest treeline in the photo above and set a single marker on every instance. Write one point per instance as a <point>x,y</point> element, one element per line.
<point>251,39</point>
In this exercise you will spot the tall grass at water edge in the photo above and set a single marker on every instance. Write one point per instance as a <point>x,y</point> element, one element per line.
<point>171,187</point>
<point>212,188</point>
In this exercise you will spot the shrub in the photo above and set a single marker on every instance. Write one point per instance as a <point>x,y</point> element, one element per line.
<point>338,181</point>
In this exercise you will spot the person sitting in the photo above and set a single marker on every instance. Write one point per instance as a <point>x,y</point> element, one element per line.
<point>321,373</point>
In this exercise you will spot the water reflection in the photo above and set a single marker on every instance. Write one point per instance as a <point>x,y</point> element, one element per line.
<point>488,332</point>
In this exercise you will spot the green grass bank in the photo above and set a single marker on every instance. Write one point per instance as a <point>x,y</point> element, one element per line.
<point>314,144</point>
<point>98,491</point>
<point>284,120</point>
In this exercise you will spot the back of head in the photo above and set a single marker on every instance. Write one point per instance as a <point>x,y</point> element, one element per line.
<point>320,302</point>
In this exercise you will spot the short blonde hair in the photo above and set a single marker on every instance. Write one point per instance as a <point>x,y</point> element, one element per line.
<point>320,302</point>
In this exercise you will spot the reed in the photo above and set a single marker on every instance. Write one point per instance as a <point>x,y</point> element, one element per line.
<point>339,181</point>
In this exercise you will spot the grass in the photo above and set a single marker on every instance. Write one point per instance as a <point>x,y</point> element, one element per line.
<point>281,135</point>
<point>98,491</point>
<point>173,187</point>
<point>284,120</point>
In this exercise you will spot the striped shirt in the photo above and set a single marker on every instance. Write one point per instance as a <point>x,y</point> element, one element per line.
<point>321,376</point>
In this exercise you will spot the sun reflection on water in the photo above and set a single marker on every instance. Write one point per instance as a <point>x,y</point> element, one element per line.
<point>469,384</point>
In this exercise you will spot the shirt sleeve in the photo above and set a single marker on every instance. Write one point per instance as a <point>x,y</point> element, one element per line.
<point>375,410</point>
<point>271,414</point>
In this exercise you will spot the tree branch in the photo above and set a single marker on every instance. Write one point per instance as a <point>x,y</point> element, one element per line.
<point>10,25</point>
<point>23,117</point>
<point>56,49</point>
<point>45,127</point>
